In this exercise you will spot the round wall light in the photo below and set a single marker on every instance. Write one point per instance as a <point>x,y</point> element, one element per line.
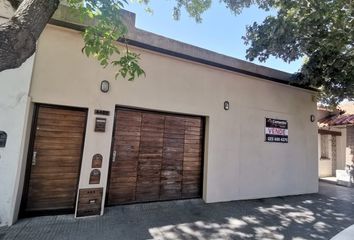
<point>312,118</point>
<point>226,105</point>
<point>104,86</point>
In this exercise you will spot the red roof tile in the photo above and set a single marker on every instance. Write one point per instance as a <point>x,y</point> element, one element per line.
<point>335,120</point>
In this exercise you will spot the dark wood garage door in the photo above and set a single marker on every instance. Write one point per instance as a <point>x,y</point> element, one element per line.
<point>156,156</point>
<point>54,159</point>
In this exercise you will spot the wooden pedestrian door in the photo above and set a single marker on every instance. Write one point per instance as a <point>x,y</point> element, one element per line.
<point>156,156</point>
<point>54,159</point>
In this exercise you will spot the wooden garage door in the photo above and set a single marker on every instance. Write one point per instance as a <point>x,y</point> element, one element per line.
<point>155,157</point>
<point>55,159</point>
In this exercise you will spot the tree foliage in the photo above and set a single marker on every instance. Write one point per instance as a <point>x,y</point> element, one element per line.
<point>100,38</point>
<point>320,31</point>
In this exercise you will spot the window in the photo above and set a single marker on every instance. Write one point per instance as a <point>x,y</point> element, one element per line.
<point>325,147</point>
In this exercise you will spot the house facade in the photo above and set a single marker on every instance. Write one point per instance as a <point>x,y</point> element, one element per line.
<point>199,125</point>
<point>336,143</point>
<point>331,145</point>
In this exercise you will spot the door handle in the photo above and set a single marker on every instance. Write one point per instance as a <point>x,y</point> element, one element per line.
<point>34,158</point>
<point>114,156</point>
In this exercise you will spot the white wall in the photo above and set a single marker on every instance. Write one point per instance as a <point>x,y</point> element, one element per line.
<point>341,147</point>
<point>6,11</point>
<point>343,153</point>
<point>238,163</point>
<point>14,112</point>
<point>14,105</point>
<point>325,165</point>
<point>349,145</point>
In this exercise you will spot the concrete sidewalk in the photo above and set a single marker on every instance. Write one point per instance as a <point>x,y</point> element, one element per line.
<point>313,216</point>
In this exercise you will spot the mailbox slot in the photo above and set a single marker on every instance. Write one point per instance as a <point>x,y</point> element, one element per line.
<point>90,201</point>
<point>100,124</point>
<point>3,139</point>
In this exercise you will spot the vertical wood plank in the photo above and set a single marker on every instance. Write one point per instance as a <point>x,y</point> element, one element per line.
<point>124,168</point>
<point>150,157</point>
<point>192,161</point>
<point>159,157</point>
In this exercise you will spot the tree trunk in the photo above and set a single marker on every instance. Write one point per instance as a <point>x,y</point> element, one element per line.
<point>18,36</point>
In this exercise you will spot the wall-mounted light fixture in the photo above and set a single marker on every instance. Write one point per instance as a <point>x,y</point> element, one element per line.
<point>226,105</point>
<point>312,118</point>
<point>104,86</point>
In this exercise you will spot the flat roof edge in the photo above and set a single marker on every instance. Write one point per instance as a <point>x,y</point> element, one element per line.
<point>154,42</point>
<point>211,63</point>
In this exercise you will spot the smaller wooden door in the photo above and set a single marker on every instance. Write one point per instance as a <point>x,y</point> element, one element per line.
<point>55,159</point>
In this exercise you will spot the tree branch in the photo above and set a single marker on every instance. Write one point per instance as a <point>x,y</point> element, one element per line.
<point>18,36</point>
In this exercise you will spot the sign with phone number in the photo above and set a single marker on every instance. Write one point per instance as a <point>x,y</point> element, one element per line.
<point>276,130</point>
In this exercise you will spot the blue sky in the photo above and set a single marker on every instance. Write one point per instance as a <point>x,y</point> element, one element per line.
<point>220,31</point>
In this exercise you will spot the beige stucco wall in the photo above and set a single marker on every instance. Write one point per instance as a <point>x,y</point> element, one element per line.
<point>238,163</point>
<point>325,165</point>
<point>349,158</point>
<point>341,147</point>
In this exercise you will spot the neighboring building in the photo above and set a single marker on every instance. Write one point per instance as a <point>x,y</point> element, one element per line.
<point>330,145</point>
<point>336,143</point>
<point>200,124</point>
